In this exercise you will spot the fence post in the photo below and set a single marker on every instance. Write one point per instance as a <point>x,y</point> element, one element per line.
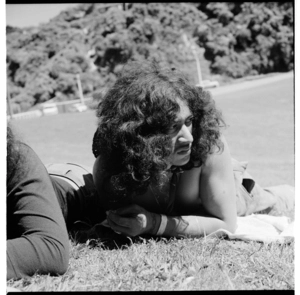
<point>191,44</point>
<point>79,88</point>
<point>9,104</point>
<point>193,47</point>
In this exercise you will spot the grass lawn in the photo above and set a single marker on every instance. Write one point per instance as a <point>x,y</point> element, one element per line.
<point>63,138</point>
<point>261,130</point>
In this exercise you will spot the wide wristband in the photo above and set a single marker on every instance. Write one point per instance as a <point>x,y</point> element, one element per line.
<point>162,226</point>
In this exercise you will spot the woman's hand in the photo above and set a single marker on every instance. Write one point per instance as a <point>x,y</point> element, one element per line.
<point>133,220</point>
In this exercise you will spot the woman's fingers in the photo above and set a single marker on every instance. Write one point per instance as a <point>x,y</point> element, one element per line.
<point>128,231</point>
<point>119,220</point>
<point>130,220</point>
<point>131,226</point>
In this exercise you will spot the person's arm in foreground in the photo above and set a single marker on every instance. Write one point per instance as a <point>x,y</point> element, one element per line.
<point>37,239</point>
<point>217,193</point>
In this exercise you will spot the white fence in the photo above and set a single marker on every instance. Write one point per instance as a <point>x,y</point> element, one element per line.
<point>61,106</point>
<point>26,115</point>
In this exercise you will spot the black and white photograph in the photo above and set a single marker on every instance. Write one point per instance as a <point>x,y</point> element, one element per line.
<point>150,146</point>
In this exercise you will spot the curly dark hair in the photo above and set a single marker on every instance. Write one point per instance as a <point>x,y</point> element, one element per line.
<point>134,119</point>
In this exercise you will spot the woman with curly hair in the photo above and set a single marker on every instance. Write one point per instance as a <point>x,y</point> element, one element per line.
<point>162,165</point>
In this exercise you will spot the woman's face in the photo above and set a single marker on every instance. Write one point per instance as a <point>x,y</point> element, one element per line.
<point>181,133</point>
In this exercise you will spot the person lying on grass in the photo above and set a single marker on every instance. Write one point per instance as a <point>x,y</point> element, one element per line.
<point>37,238</point>
<point>163,166</point>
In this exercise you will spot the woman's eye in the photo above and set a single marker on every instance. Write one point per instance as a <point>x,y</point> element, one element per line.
<point>189,122</point>
<point>173,128</point>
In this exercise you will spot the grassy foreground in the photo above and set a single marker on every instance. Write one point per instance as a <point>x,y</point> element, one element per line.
<point>260,130</point>
<point>187,264</point>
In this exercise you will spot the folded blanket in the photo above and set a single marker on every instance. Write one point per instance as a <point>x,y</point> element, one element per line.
<point>261,227</point>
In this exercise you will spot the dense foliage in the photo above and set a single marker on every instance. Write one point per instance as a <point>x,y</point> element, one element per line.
<point>93,40</point>
<point>248,38</point>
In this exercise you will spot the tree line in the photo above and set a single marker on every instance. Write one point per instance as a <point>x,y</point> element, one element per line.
<point>94,40</point>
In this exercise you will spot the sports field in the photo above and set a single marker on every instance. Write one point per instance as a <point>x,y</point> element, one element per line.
<point>260,130</point>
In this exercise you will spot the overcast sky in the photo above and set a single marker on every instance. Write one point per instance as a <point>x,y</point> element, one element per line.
<point>24,15</point>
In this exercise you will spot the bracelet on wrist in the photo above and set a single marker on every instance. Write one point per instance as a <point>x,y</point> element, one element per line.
<point>162,226</point>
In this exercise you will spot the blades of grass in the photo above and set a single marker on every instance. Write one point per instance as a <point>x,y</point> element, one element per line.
<point>226,275</point>
<point>214,247</point>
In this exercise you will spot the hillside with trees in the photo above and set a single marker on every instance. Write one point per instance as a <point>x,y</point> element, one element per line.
<point>233,39</point>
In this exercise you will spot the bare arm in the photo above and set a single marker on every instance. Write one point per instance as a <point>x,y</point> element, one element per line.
<point>216,187</point>
<point>217,190</point>
<point>218,196</point>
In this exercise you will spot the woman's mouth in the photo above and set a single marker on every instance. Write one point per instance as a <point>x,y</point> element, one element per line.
<point>183,150</point>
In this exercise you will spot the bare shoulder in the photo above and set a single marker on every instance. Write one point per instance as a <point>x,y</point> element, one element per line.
<point>217,187</point>
<point>194,182</point>
<point>218,160</point>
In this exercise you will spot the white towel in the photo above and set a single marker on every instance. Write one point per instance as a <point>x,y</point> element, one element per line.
<point>261,227</point>
<point>257,227</point>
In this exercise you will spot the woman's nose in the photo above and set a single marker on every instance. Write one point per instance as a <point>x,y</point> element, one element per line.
<point>185,135</point>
